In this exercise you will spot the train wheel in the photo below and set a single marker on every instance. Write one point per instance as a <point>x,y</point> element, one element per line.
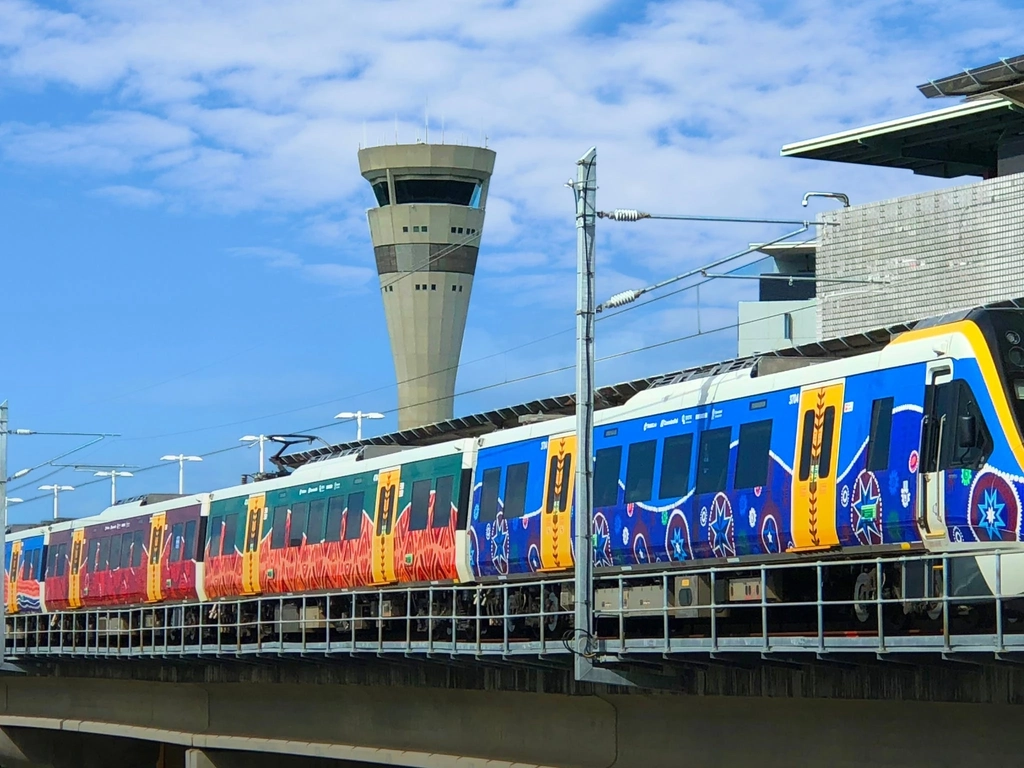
<point>865,592</point>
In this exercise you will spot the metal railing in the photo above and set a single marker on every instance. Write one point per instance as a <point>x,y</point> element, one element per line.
<point>824,607</point>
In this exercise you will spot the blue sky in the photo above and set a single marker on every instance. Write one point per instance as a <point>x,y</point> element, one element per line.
<point>185,250</point>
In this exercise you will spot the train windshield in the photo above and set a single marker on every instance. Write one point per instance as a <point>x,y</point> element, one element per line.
<point>1004,330</point>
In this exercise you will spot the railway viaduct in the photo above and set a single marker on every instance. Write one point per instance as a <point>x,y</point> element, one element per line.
<point>435,714</point>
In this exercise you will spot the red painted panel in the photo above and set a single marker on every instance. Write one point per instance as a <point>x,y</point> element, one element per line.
<point>123,585</point>
<point>177,559</point>
<point>57,586</point>
<point>431,551</point>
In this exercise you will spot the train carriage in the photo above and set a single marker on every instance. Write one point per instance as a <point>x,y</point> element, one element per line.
<point>343,523</point>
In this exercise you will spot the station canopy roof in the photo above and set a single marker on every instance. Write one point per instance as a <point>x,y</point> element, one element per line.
<point>961,140</point>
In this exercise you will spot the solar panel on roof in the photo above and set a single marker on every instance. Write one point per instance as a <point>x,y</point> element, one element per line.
<point>1001,74</point>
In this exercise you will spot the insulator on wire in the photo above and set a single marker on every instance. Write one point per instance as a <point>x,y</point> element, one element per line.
<point>621,299</point>
<point>624,214</point>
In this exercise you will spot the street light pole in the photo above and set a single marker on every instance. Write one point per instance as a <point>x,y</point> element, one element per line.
<point>56,495</point>
<point>253,439</point>
<point>113,474</point>
<point>181,459</point>
<point>359,416</point>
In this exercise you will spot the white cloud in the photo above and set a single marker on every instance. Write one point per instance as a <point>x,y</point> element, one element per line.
<point>348,278</point>
<point>135,197</point>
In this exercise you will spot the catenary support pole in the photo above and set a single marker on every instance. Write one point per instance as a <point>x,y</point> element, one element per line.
<point>3,511</point>
<point>586,193</point>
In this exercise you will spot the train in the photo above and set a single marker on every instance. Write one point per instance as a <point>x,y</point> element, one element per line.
<point>914,447</point>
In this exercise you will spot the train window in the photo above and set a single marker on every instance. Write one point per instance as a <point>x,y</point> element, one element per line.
<point>26,566</point>
<point>36,557</point>
<point>104,554</point>
<point>61,561</point>
<point>880,435</point>
<point>559,481</point>
<point>713,464</point>
<point>315,524</point>
<point>752,454</point>
<point>215,526</point>
<point>675,467</point>
<point>230,534</point>
<point>335,514</point>
<point>489,494</point>
<point>828,425</point>
<point>952,412</point>
<point>138,549</point>
<point>92,563</point>
<point>176,531</point>
<point>115,552</point>
<point>126,550</point>
<point>515,489</point>
<point>354,517</point>
<point>806,438</point>
<point>277,527</point>
<point>607,463</point>
<point>51,562</point>
<point>419,512</point>
<point>298,527</point>
<point>640,471</point>
<point>188,545</point>
<point>443,502</point>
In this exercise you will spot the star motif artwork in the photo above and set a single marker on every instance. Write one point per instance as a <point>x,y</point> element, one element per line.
<point>990,514</point>
<point>721,527</point>
<point>866,509</point>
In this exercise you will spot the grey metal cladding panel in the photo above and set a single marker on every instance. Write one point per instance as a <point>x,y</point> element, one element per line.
<point>943,250</point>
<point>386,259</point>
<point>426,257</point>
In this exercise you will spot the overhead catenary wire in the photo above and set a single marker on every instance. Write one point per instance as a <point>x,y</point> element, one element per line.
<point>475,390</point>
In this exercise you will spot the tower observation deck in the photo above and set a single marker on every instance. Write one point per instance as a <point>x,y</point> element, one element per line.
<point>426,232</point>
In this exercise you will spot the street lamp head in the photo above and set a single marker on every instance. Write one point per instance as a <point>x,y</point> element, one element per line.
<point>56,487</point>
<point>192,458</point>
<point>113,473</point>
<point>345,415</point>
<point>373,415</point>
<point>249,438</point>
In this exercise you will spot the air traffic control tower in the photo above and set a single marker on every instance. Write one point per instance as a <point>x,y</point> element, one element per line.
<point>426,236</point>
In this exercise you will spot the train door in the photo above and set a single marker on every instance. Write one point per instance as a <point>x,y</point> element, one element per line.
<point>251,546</point>
<point>931,515</point>
<point>75,568</point>
<point>12,577</point>
<point>556,529</point>
<point>382,553</point>
<point>813,522</point>
<point>154,586</point>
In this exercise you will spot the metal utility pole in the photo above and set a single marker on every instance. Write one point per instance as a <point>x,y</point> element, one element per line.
<point>3,507</point>
<point>586,215</point>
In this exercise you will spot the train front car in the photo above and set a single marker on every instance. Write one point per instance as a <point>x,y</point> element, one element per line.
<point>23,571</point>
<point>971,476</point>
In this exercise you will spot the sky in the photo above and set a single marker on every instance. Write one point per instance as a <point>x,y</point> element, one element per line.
<point>185,250</point>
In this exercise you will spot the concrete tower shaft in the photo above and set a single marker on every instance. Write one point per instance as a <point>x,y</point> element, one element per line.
<point>426,232</point>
